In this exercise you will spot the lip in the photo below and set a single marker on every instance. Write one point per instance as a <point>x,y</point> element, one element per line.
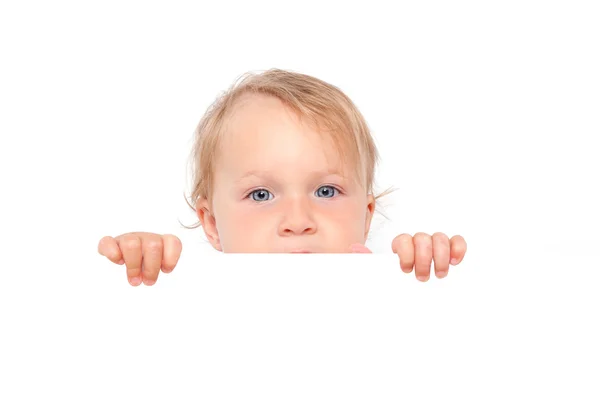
<point>300,252</point>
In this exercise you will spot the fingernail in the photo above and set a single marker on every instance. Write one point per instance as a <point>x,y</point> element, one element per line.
<point>441,274</point>
<point>135,281</point>
<point>423,278</point>
<point>454,261</point>
<point>149,282</point>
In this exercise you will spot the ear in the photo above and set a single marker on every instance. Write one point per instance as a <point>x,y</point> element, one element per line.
<point>369,214</point>
<point>209,223</point>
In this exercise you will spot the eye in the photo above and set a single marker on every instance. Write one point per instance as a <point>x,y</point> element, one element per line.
<point>260,195</point>
<point>326,191</point>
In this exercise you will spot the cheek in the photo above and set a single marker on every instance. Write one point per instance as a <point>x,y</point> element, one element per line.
<point>347,217</point>
<point>240,227</point>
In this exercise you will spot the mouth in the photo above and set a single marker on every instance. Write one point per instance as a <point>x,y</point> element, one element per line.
<point>300,252</point>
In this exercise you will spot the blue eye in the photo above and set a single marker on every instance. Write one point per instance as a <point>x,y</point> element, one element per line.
<point>326,191</point>
<point>260,195</point>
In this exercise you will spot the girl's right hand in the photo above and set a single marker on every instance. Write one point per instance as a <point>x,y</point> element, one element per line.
<point>143,253</point>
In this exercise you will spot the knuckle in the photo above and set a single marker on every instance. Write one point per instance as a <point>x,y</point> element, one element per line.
<point>131,243</point>
<point>105,240</point>
<point>405,239</point>
<point>423,239</point>
<point>458,242</point>
<point>172,238</point>
<point>402,243</point>
<point>154,245</point>
<point>172,243</point>
<point>421,236</point>
<point>440,236</point>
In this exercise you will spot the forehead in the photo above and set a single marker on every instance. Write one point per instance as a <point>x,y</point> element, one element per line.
<point>262,132</point>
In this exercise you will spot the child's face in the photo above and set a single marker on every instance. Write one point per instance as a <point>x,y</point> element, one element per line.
<point>276,188</point>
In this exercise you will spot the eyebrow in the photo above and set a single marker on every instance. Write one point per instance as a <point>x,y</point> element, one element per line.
<point>272,176</point>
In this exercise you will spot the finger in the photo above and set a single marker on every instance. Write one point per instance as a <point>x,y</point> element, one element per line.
<point>109,248</point>
<point>171,253</point>
<point>458,248</point>
<point>441,254</point>
<point>359,248</point>
<point>131,248</point>
<point>423,256</point>
<point>403,246</point>
<point>152,256</point>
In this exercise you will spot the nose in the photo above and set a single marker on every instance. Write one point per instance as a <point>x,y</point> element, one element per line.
<point>297,218</point>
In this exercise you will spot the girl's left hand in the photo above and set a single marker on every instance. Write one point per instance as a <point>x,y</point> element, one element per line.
<point>419,251</point>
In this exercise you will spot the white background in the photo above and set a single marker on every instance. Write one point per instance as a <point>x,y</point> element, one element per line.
<point>486,115</point>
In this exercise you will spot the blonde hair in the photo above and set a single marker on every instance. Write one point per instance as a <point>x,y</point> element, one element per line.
<point>323,105</point>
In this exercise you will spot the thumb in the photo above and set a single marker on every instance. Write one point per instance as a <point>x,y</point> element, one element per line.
<point>359,248</point>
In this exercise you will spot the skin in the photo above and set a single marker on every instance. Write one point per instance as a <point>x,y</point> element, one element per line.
<point>280,187</point>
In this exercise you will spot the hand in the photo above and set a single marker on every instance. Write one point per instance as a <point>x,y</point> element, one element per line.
<point>143,253</point>
<point>419,251</point>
